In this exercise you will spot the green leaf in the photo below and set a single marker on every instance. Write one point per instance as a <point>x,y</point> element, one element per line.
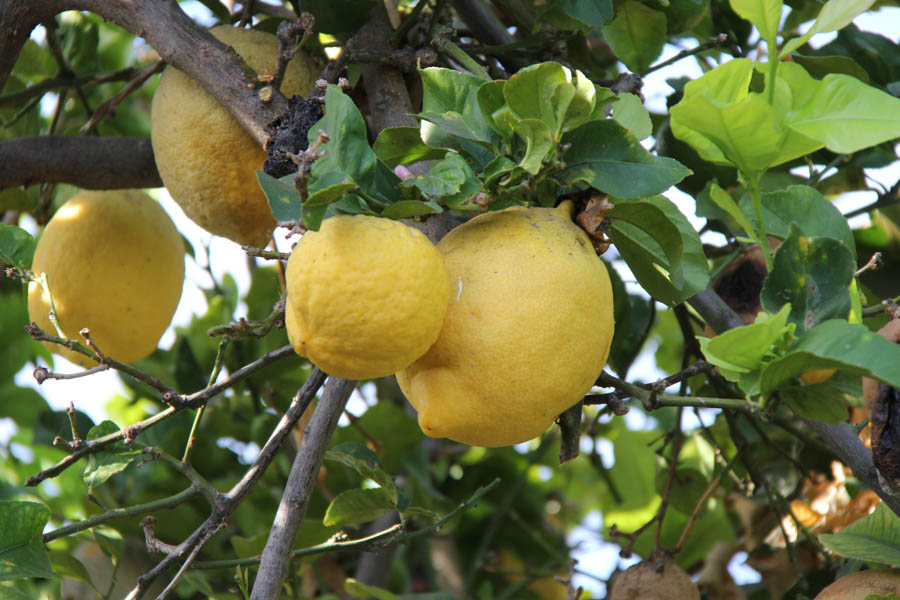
<point>110,460</point>
<point>22,405</point>
<point>820,66</point>
<point>819,401</point>
<point>109,540</point>
<point>352,507</point>
<point>365,462</point>
<point>22,552</point>
<point>361,590</point>
<point>16,246</point>
<point>327,195</point>
<point>874,538</point>
<point>804,207</point>
<point>406,209</point>
<point>764,14</point>
<point>629,111</point>
<point>539,142</point>
<point>836,14</point>
<point>595,13</point>
<point>606,156</point>
<point>66,565</point>
<point>637,35</point>
<point>661,247</point>
<point>813,275</point>
<point>724,201</point>
<point>444,179</point>
<point>744,349</point>
<point>282,196</point>
<point>347,151</point>
<point>551,93</point>
<point>451,91</point>
<point>403,145</point>
<point>837,344</point>
<point>846,115</point>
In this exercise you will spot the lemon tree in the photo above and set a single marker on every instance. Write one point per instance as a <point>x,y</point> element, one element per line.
<point>523,284</point>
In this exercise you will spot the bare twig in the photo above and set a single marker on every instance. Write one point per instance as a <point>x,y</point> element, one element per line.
<point>275,557</point>
<point>109,107</point>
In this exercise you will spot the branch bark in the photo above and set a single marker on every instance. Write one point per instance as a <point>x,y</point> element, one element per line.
<point>92,163</point>
<point>276,556</point>
<point>178,40</point>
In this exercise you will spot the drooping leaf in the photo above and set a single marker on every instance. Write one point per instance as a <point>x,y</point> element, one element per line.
<point>850,347</point>
<point>875,538</point>
<point>661,247</point>
<point>846,115</point>
<point>22,552</point>
<point>65,564</point>
<point>813,275</point>
<point>352,507</point>
<point>636,35</point>
<point>16,246</point>
<point>403,145</point>
<point>112,459</point>
<point>607,156</point>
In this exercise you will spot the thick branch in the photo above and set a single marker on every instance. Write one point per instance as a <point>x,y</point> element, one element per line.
<point>276,556</point>
<point>178,40</point>
<point>93,163</point>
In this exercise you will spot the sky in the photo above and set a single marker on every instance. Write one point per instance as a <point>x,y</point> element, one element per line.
<point>220,256</point>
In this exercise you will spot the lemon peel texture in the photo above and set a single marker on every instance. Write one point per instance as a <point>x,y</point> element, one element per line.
<point>114,263</point>
<point>526,334</point>
<point>205,158</point>
<point>366,296</point>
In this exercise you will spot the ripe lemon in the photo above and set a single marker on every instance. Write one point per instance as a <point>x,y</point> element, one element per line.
<point>205,158</point>
<point>114,263</point>
<point>366,296</point>
<point>526,334</point>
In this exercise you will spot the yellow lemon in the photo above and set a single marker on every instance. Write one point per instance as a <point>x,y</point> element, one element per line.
<point>366,296</point>
<point>526,334</point>
<point>114,263</point>
<point>205,158</point>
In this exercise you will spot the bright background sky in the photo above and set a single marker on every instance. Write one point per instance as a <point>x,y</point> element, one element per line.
<point>221,256</point>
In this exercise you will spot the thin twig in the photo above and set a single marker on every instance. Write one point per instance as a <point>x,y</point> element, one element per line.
<point>716,42</point>
<point>109,107</point>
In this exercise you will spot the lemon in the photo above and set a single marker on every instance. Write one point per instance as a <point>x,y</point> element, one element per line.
<point>114,263</point>
<point>655,578</point>
<point>205,158</point>
<point>366,296</point>
<point>526,334</point>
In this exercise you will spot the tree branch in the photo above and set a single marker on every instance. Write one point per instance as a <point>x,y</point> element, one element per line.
<point>276,556</point>
<point>92,163</point>
<point>178,40</point>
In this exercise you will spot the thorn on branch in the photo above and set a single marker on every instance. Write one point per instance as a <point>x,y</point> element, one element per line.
<point>153,544</point>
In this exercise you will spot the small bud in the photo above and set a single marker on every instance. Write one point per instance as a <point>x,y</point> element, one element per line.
<point>41,374</point>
